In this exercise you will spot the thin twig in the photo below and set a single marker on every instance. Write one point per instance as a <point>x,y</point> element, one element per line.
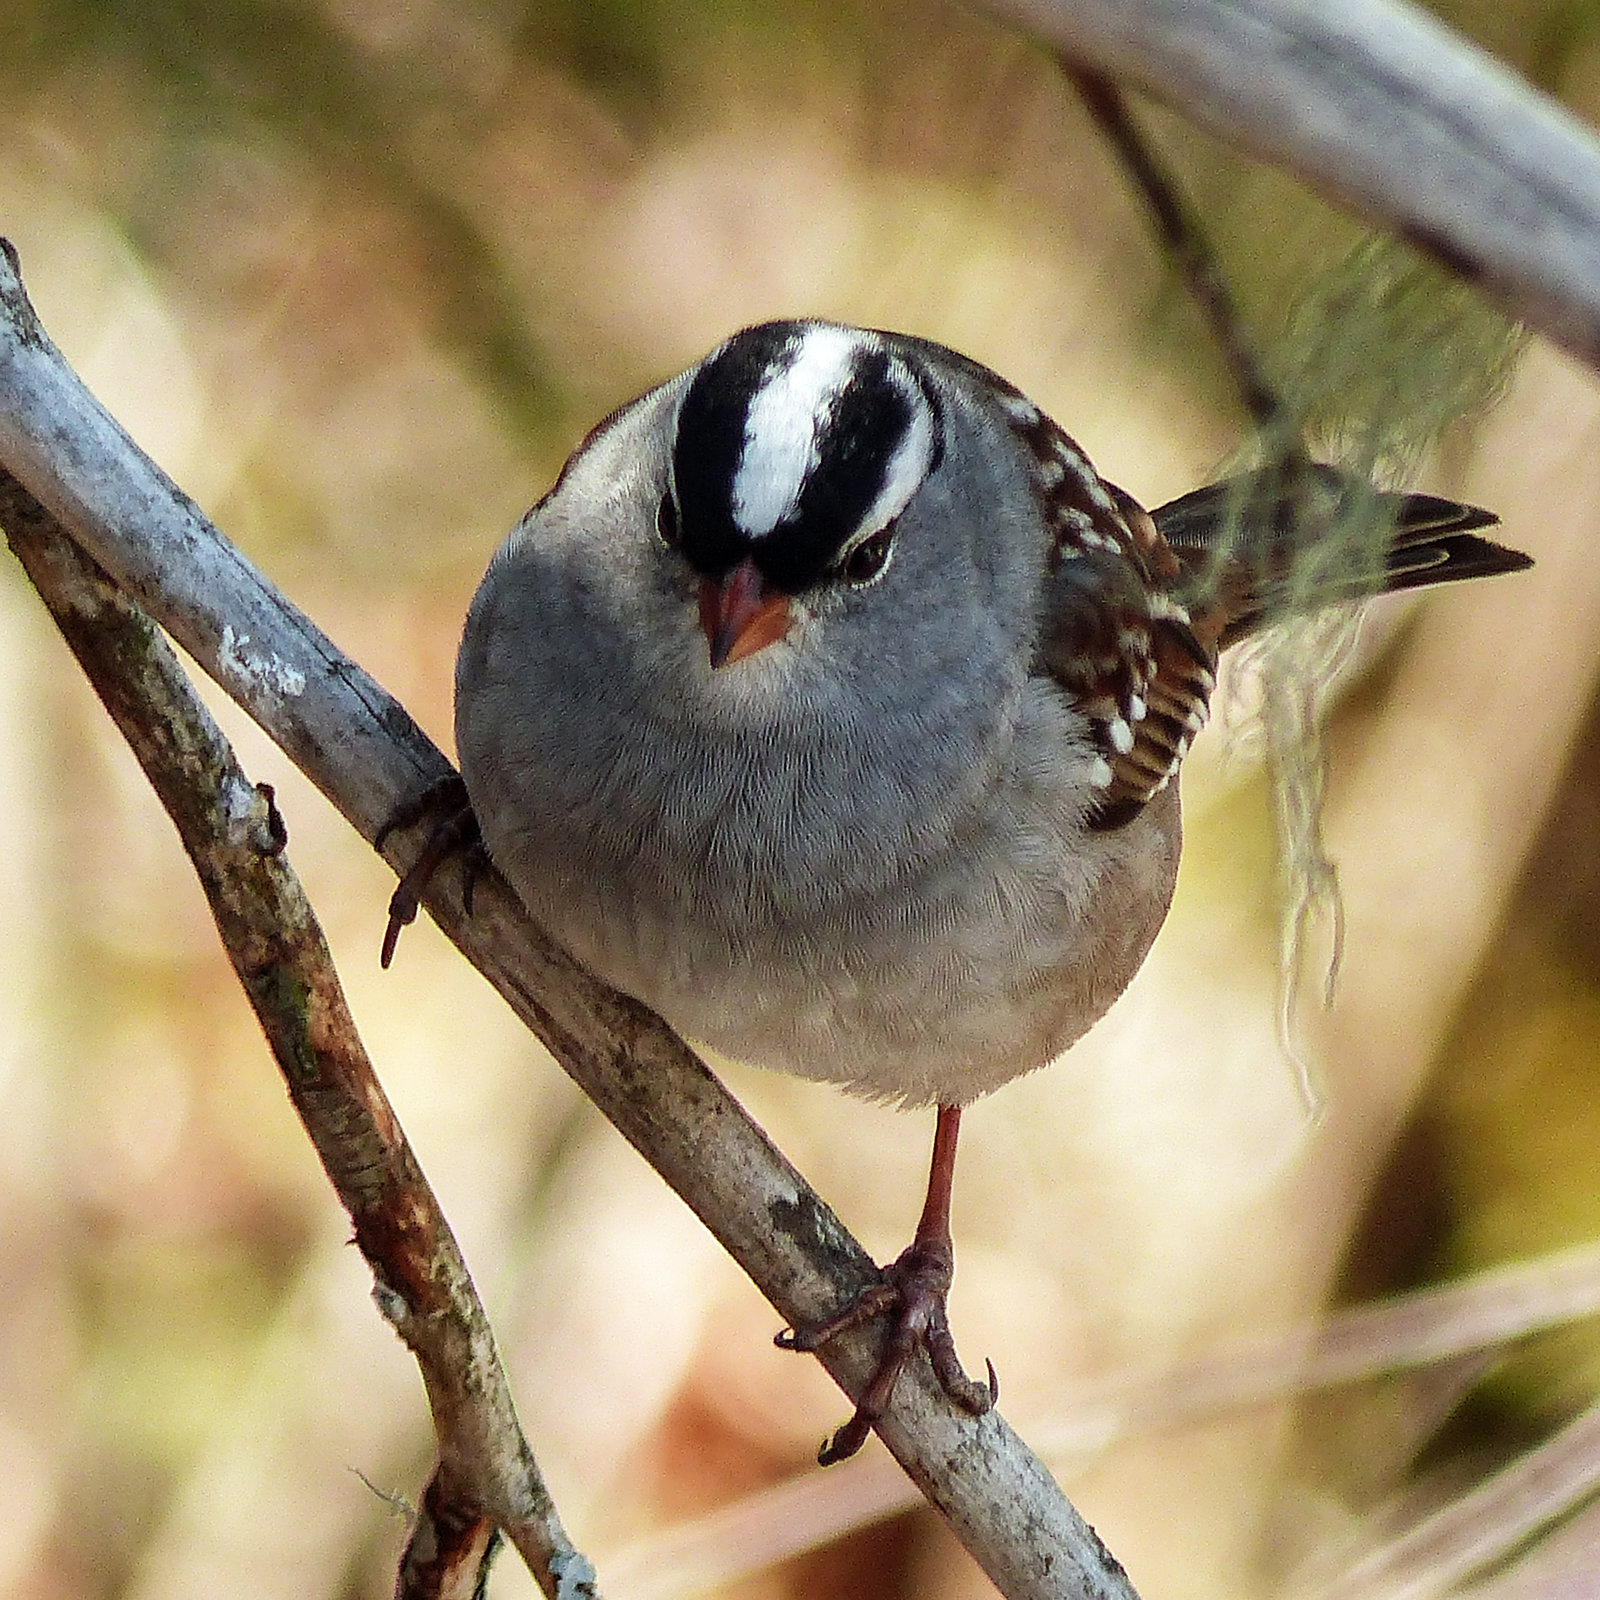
<point>1184,238</point>
<point>359,746</point>
<point>487,1476</point>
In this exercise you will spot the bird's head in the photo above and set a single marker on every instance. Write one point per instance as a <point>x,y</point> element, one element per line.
<point>796,448</point>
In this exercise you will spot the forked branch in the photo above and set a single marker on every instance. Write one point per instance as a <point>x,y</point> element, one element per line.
<point>358,745</point>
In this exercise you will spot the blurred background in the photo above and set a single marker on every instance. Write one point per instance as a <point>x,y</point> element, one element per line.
<point>359,273</point>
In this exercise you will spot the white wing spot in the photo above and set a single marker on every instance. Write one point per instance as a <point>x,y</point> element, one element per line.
<point>1121,735</point>
<point>1020,409</point>
<point>1100,773</point>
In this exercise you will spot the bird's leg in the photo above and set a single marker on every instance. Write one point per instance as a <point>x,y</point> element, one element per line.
<point>914,1289</point>
<point>455,830</point>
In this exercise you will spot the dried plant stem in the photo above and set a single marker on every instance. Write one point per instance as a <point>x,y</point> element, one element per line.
<point>1458,1327</point>
<point>1431,1559</point>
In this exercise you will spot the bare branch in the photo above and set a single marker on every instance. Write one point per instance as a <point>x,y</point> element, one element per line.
<point>450,1549</point>
<point>233,834</point>
<point>364,752</point>
<point>1385,110</point>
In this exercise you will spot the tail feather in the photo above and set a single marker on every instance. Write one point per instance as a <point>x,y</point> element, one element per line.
<point>1241,540</point>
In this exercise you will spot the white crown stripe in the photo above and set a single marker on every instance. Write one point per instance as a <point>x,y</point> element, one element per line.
<point>781,446</point>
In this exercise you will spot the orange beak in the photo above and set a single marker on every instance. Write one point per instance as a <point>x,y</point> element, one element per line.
<point>742,614</point>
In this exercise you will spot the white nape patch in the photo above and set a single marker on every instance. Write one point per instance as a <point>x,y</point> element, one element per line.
<point>1020,409</point>
<point>780,430</point>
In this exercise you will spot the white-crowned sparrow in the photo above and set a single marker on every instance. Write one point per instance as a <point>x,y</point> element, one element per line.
<point>830,704</point>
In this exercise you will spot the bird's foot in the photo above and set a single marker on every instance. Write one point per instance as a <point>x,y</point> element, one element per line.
<point>454,832</point>
<point>914,1291</point>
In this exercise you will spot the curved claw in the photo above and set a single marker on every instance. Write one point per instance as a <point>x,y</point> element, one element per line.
<point>403,907</point>
<point>976,1399</point>
<point>973,1397</point>
<point>474,863</point>
<point>455,828</point>
<point>914,1291</point>
<point>845,1441</point>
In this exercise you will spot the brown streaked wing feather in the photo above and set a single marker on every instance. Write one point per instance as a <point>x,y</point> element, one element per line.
<point>1123,648</point>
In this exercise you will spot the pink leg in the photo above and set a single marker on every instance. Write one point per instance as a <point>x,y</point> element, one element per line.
<point>914,1289</point>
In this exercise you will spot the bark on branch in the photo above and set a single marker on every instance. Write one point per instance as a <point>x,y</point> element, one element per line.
<point>486,1477</point>
<point>1369,100</point>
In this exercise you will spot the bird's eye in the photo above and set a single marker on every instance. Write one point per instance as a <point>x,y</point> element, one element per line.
<point>866,562</point>
<point>667,522</point>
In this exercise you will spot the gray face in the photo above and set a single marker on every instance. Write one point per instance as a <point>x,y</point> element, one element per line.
<point>797,446</point>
